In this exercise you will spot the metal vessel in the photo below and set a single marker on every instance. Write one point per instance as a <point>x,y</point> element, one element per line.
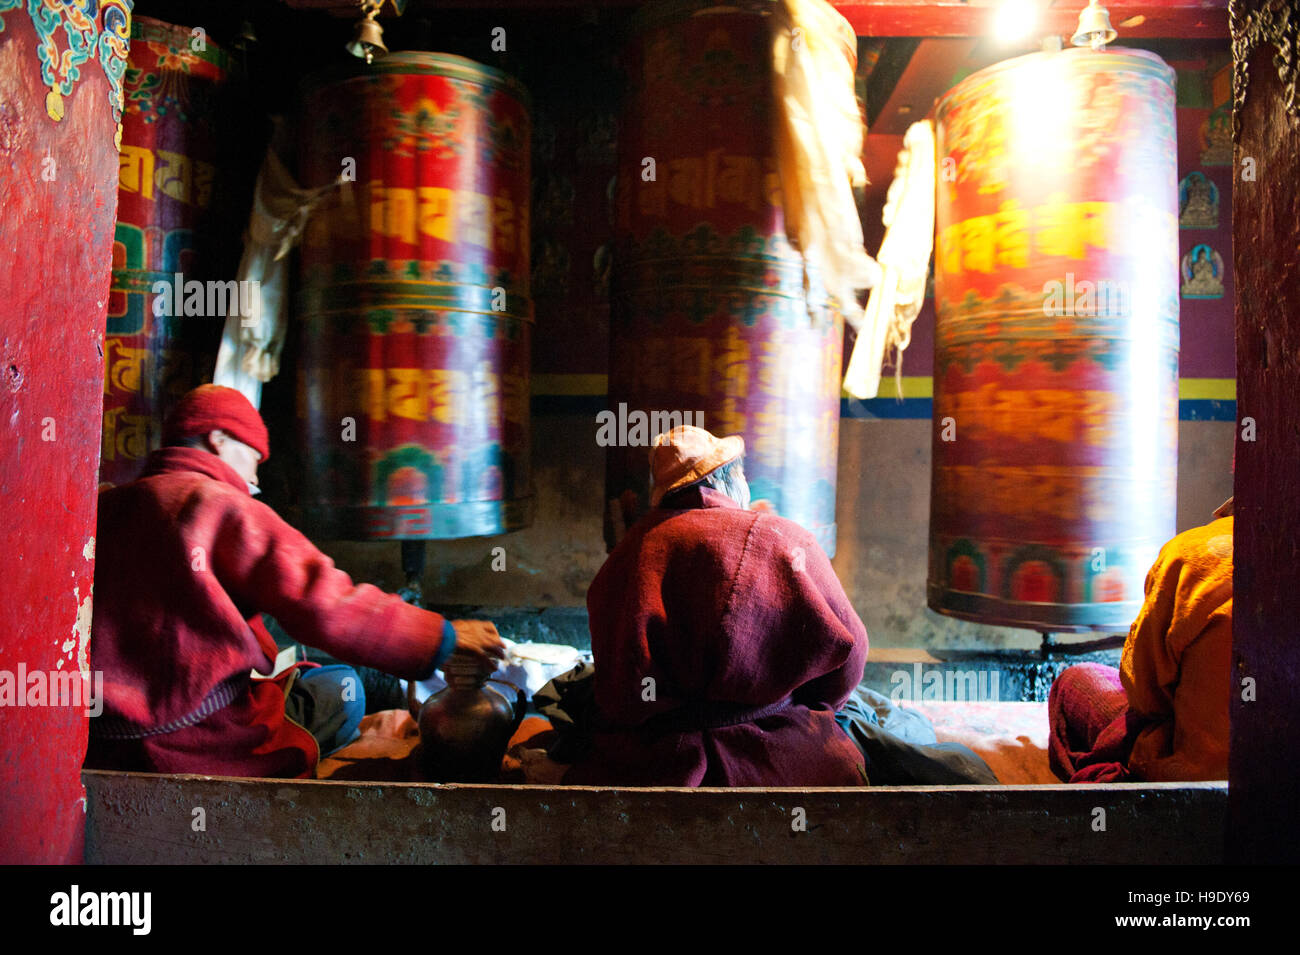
<point>465,727</point>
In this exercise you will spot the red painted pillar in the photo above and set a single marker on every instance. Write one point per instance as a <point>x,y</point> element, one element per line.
<point>58,190</point>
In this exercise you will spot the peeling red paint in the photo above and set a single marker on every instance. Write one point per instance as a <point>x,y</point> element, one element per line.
<point>57,238</point>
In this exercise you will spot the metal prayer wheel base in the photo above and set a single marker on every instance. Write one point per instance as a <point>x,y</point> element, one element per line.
<point>1054,617</point>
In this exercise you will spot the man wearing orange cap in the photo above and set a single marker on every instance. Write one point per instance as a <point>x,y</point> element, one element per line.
<point>722,639</point>
<point>186,562</point>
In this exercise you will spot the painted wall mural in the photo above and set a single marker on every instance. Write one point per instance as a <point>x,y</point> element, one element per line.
<point>1198,202</point>
<point>1202,271</point>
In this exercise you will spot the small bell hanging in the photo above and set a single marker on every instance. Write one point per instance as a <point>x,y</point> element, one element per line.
<point>1094,27</point>
<point>368,35</point>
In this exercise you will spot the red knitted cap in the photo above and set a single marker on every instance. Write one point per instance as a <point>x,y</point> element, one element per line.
<point>216,407</point>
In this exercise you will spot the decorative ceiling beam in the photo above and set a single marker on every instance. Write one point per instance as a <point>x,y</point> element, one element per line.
<point>1172,19</point>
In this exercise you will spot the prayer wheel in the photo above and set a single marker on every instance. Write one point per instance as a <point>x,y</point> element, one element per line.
<point>415,310</point>
<point>1056,348</point>
<point>164,318</point>
<point>712,323</point>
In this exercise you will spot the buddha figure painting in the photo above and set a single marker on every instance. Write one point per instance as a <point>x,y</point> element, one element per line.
<point>1202,270</point>
<point>1216,137</point>
<point>1198,202</point>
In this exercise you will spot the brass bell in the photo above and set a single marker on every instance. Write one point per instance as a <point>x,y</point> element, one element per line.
<point>1094,27</point>
<point>368,35</point>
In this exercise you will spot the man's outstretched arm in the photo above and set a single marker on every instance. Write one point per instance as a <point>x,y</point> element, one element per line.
<point>266,564</point>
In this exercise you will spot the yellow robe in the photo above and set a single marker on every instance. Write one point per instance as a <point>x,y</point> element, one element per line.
<point>1176,665</point>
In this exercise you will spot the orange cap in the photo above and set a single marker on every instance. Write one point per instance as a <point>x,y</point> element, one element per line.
<point>686,454</point>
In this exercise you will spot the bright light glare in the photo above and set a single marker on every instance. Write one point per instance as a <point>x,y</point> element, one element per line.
<point>1015,20</point>
<point>1043,114</point>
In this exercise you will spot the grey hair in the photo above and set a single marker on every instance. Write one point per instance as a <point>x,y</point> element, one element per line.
<point>730,480</point>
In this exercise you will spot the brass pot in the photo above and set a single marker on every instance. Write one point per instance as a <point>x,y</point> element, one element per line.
<point>466,727</point>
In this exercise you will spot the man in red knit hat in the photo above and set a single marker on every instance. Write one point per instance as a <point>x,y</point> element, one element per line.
<point>186,562</point>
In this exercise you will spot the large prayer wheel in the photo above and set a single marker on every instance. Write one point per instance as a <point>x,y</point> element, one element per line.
<point>709,309</point>
<point>164,317</point>
<point>415,307</point>
<point>1056,353</point>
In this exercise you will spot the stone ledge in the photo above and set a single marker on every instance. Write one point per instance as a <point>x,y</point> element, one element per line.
<point>139,818</point>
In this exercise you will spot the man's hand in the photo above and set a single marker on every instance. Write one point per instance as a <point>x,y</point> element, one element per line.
<point>480,638</point>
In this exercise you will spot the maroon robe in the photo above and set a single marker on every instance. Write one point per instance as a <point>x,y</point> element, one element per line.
<point>185,561</point>
<point>750,643</point>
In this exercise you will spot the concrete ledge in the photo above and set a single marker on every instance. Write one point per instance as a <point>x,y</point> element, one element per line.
<point>138,818</point>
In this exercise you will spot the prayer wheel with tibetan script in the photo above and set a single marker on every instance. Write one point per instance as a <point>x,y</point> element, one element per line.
<point>710,312</point>
<point>415,310</point>
<point>1056,353</point>
<point>160,341</point>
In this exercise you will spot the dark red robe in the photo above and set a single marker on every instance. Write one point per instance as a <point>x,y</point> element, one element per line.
<point>185,561</point>
<point>749,642</point>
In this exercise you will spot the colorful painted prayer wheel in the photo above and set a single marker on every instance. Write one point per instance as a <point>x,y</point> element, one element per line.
<point>1056,352</point>
<point>415,307</point>
<point>709,313</point>
<point>155,349</point>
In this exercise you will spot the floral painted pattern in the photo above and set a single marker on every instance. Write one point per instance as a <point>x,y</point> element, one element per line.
<point>71,32</point>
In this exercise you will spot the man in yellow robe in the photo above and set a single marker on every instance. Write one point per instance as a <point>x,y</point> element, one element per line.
<point>1163,716</point>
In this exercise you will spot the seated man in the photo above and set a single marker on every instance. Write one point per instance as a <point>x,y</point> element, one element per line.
<point>723,641</point>
<point>186,562</point>
<point>1163,716</point>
